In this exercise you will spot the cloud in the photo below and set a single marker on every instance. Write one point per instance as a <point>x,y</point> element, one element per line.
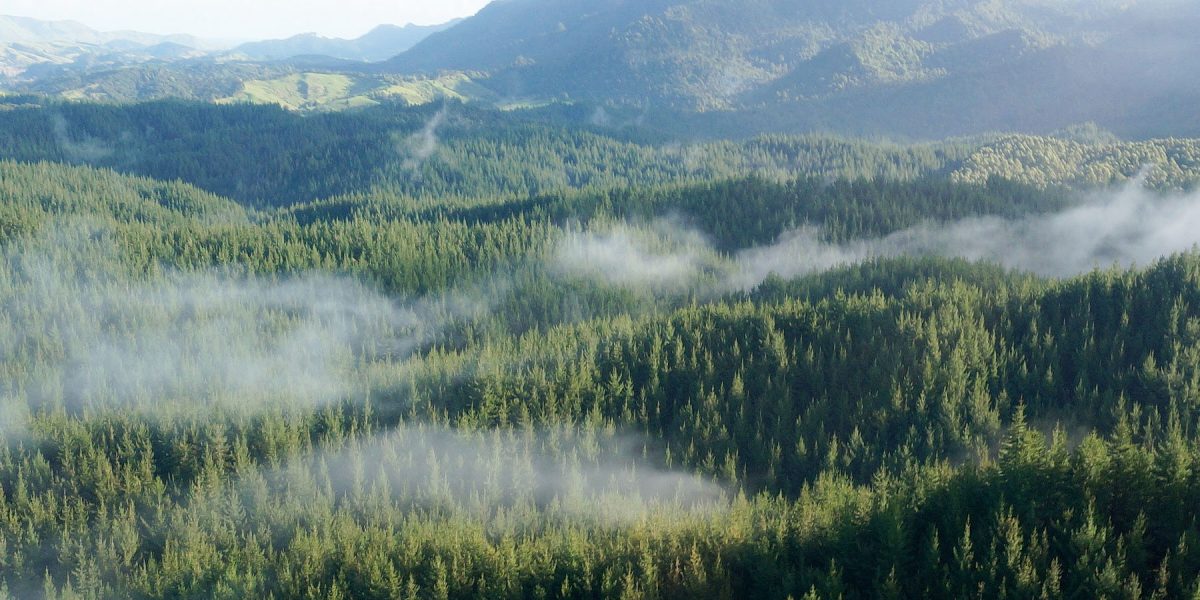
<point>85,150</point>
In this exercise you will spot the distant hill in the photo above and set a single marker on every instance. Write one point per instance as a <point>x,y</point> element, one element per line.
<point>307,72</point>
<point>27,44</point>
<point>28,30</point>
<point>23,29</point>
<point>912,67</point>
<point>380,43</point>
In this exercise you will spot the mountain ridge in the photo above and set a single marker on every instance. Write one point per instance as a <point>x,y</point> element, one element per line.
<point>28,29</point>
<point>811,61</point>
<point>381,43</point>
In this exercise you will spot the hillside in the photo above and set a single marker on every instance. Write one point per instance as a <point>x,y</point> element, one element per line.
<point>263,155</point>
<point>203,401</point>
<point>266,155</point>
<point>687,69</point>
<point>24,29</point>
<point>916,68</point>
<point>592,299</point>
<point>41,193</point>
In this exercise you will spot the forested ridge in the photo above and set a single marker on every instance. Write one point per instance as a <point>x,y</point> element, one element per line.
<point>517,358</point>
<point>265,156</point>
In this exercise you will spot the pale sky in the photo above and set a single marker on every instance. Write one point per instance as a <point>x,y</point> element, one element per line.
<point>244,19</point>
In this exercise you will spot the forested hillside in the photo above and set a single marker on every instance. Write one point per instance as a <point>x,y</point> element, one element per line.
<point>516,358</point>
<point>919,68</point>
<point>266,155</point>
<point>458,154</point>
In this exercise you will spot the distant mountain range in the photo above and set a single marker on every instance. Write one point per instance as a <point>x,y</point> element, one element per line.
<point>915,68</point>
<point>379,44</point>
<point>29,43</point>
<point>32,49</point>
<point>27,30</point>
<point>714,54</point>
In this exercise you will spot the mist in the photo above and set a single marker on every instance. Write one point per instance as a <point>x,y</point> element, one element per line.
<point>581,475</point>
<point>421,146</point>
<point>209,344</point>
<point>109,339</point>
<point>1126,227</point>
<point>663,255</point>
<point>87,150</point>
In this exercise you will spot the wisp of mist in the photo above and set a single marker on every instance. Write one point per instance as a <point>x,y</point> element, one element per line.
<point>574,474</point>
<point>207,343</point>
<point>1126,227</point>
<point>105,338</point>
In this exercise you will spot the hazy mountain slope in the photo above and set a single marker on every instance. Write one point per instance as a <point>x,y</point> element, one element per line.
<point>26,44</point>
<point>913,67</point>
<point>157,80</point>
<point>324,91</point>
<point>25,29</point>
<point>380,43</point>
<point>707,51</point>
<point>1136,84</point>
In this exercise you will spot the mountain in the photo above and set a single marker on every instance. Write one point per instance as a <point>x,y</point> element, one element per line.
<point>380,43</point>
<point>909,67</point>
<point>27,44</point>
<point>923,69</point>
<point>24,29</point>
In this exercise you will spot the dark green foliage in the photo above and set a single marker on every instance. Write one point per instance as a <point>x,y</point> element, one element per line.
<point>909,427</point>
<point>251,153</point>
<point>266,156</point>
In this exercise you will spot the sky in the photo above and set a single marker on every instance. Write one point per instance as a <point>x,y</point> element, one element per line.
<point>244,19</point>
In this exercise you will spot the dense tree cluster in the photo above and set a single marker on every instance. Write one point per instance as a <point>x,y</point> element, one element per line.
<point>398,393</point>
<point>264,155</point>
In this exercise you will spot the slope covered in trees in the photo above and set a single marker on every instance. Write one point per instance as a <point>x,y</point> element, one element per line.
<point>456,154</point>
<point>563,302</point>
<point>1047,161</point>
<point>916,68</point>
<point>385,395</point>
<point>268,156</point>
